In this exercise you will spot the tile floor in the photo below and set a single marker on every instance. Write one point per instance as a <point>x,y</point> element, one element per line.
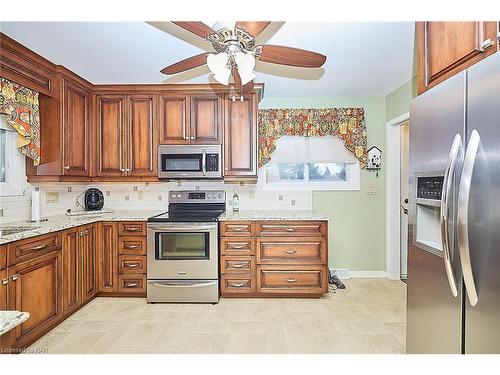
<point>369,316</point>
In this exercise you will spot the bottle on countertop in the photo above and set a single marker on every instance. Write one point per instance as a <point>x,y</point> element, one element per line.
<point>236,201</point>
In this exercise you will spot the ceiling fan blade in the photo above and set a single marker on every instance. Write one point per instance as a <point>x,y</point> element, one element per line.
<point>254,28</point>
<point>186,64</point>
<point>196,27</point>
<point>291,56</point>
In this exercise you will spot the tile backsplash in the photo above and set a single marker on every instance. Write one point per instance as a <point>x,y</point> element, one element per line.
<point>144,196</point>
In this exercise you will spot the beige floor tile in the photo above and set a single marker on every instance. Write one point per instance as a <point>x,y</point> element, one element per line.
<point>184,343</point>
<point>140,334</point>
<point>247,344</point>
<point>75,343</point>
<point>276,344</point>
<point>219,343</point>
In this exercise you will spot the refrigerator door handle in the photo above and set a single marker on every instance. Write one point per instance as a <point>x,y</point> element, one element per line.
<point>463,216</point>
<point>448,178</point>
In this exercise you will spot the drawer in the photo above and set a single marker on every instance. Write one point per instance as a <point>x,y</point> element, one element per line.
<point>236,228</point>
<point>131,264</point>
<point>132,245</point>
<point>3,257</point>
<point>237,246</point>
<point>132,228</point>
<point>278,250</point>
<point>30,248</point>
<point>234,283</point>
<point>237,264</point>
<point>300,279</point>
<point>132,283</point>
<point>292,228</point>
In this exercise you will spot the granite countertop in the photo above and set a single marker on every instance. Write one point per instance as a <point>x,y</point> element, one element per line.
<point>60,222</point>
<point>272,215</point>
<point>11,319</point>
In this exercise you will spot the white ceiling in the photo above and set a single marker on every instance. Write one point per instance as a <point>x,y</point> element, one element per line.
<point>363,59</point>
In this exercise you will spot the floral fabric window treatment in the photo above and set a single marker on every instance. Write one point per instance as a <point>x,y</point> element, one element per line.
<point>21,106</point>
<point>346,123</point>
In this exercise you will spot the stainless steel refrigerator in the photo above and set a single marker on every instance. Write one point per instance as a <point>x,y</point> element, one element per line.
<point>454,218</point>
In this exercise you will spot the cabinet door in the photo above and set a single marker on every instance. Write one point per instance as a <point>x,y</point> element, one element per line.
<point>141,145</point>
<point>445,48</point>
<point>240,137</point>
<point>111,136</point>
<point>108,263</point>
<point>174,119</point>
<point>35,286</point>
<point>88,258</point>
<point>75,130</point>
<point>206,120</point>
<point>4,284</point>
<point>71,269</point>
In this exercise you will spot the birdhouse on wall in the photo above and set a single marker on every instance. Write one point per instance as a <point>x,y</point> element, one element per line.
<point>374,158</point>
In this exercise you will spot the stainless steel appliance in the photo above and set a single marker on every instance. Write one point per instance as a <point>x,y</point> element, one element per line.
<point>183,248</point>
<point>454,222</point>
<point>189,161</point>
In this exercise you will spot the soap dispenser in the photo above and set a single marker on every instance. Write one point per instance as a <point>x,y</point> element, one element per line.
<point>236,201</point>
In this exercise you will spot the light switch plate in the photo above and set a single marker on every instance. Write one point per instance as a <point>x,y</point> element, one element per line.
<point>52,197</point>
<point>371,190</point>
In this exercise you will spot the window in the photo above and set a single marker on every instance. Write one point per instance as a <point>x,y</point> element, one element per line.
<point>12,174</point>
<point>315,163</point>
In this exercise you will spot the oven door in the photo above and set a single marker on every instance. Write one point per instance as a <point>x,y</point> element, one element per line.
<point>182,251</point>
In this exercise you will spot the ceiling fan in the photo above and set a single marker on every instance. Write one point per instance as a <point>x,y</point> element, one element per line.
<point>236,52</point>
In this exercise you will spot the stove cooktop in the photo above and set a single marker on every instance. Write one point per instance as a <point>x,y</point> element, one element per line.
<point>187,216</point>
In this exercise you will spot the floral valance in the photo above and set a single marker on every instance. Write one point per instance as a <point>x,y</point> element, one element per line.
<point>346,123</point>
<point>21,106</point>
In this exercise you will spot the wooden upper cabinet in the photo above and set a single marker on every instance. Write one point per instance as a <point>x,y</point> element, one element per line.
<point>240,137</point>
<point>174,121</point>
<point>111,135</point>
<point>206,119</point>
<point>142,148</point>
<point>76,130</point>
<point>446,48</point>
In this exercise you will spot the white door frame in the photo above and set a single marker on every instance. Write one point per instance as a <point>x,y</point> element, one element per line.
<point>393,192</point>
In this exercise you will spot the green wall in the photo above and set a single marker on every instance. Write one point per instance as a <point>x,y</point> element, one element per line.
<point>357,220</point>
<point>397,102</point>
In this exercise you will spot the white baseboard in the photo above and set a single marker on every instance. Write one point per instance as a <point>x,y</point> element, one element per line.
<point>347,274</point>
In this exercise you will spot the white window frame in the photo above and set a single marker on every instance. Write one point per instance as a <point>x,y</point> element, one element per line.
<point>353,182</point>
<point>15,176</point>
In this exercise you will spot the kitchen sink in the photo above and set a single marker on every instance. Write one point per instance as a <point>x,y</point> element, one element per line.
<point>6,231</point>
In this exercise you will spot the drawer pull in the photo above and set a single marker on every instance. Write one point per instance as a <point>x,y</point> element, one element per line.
<point>290,229</point>
<point>131,246</point>
<point>290,280</point>
<point>291,251</point>
<point>236,246</point>
<point>133,229</point>
<point>239,265</point>
<point>14,277</point>
<point>39,247</point>
<point>131,285</point>
<point>236,285</point>
<point>238,229</point>
<point>5,281</point>
<point>131,265</point>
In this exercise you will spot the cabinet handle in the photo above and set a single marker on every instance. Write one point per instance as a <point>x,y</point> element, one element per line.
<point>86,232</point>
<point>486,43</point>
<point>5,281</point>
<point>67,167</point>
<point>122,170</point>
<point>236,285</point>
<point>14,277</point>
<point>290,229</point>
<point>192,138</point>
<point>131,246</point>
<point>237,229</point>
<point>131,265</point>
<point>290,251</point>
<point>131,285</point>
<point>290,280</point>
<point>81,234</point>
<point>236,246</point>
<point>39,247</point>
<point>133,229</point>
<point>239,265</point>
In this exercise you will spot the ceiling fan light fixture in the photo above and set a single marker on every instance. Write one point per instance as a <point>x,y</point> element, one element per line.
<point>217,63</point>
<point>246,64</point>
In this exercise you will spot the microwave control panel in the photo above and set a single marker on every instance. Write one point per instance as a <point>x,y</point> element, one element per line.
<point>212,162</point>
<point>430,187</point>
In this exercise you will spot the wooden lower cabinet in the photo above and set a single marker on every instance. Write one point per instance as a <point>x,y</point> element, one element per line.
<point>108,258</point>
<point>283,258</point>
<point>35,286</point>
<point>4,284</point>
<point>89,262</point>
<point>132,284</point>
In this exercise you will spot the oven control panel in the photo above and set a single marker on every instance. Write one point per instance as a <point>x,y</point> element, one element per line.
<point>197,196</point>
<point>430,187</point>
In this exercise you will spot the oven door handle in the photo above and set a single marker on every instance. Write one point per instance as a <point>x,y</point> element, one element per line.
<point>177,229</point>
<point>177,285</point>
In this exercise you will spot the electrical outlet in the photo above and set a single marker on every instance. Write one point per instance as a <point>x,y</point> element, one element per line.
<point>140,195</point>
<point>371,190</point>
<point>136,188</point>
<point>293,202</point>
<point>127,198</point>
<point>52,197</point>
<point>280,197</point>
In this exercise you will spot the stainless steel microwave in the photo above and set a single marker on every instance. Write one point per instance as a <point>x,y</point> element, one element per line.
<point>189,162</point>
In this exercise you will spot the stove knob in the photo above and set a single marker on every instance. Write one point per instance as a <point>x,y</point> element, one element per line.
<point>172,195</point>
<point>179,196</point>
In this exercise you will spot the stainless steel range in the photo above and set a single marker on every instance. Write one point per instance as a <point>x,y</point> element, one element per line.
<point>183,248</point>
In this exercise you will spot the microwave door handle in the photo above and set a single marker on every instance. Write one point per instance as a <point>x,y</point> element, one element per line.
<point>447,182</point>
<point>463,216</point>
<point>204,162</point>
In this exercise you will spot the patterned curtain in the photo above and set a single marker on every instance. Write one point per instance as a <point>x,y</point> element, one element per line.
<point>21,106</point>
<point>346,123</point>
